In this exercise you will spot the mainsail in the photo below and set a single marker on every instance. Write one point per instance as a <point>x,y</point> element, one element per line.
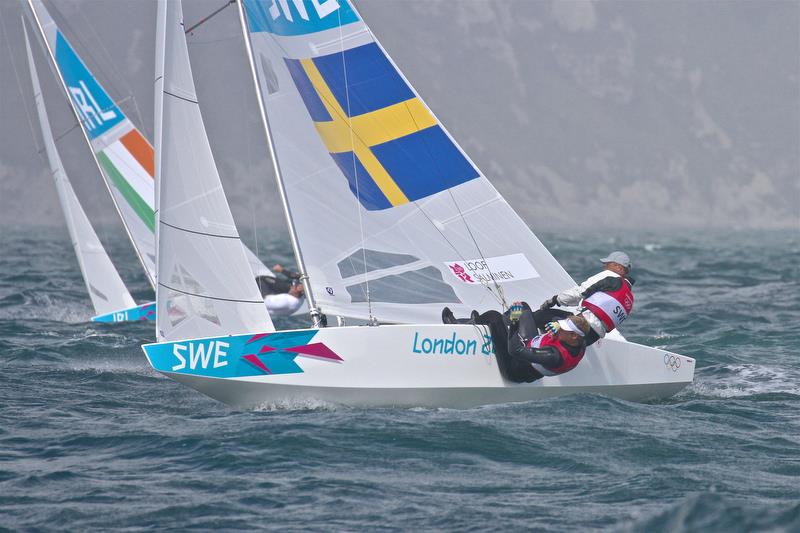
<point>205,283</point>
<point>394,218</point>
<point>105,287</point>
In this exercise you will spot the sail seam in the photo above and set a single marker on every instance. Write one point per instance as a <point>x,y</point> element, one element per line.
<point>210,297</point>
<point>199,232</point>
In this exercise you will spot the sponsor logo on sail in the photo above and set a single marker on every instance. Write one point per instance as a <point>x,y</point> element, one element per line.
<point>501,269</point>
<point>297,17</point>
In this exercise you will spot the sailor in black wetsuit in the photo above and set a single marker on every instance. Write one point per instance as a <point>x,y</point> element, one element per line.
<point>273,285</point>
<point>532,356</point>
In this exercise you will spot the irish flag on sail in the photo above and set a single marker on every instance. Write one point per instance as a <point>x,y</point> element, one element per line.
<point>124,155</point>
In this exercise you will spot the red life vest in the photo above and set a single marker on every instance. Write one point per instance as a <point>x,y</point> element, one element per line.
<point>613,307</point>
<point>569,361</point>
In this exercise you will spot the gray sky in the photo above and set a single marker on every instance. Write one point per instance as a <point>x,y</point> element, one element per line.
<point>611,114</point>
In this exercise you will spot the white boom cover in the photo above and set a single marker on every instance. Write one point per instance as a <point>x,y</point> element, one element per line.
<point>105,287</point>
<point>205,283</point>
<point>378,190</point>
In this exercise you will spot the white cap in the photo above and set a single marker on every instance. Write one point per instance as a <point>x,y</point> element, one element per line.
<point>569,325</point>
<point>618,257</point>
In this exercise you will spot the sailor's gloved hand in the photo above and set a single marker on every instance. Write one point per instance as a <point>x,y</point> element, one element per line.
<point>549,303</point>
<point>515,311</point>
<point>552,327</point>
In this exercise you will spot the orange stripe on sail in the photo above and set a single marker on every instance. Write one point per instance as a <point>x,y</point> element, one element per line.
<point>140,149</point>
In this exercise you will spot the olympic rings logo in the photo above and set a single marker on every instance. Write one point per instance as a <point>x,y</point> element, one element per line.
<point>672,361</point>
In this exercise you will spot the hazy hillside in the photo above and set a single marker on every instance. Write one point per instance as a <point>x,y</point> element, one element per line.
<point>624,114</point>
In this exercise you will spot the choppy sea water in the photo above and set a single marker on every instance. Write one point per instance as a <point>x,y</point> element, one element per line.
<point>92,439</point>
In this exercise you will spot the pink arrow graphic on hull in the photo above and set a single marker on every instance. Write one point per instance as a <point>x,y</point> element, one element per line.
<point>253,359</point>
<point>316,349</point>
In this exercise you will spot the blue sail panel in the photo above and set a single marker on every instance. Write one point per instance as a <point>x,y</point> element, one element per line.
<point>95,107</point>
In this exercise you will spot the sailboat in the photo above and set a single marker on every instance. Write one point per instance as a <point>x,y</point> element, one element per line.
<point>122,153</point>
<point>110,297</point>
<point>389,219</point>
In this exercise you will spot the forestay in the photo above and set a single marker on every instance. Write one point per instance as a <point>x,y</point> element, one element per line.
<point>205,284</point>
<point>386,205</point>
<point>105,287</point>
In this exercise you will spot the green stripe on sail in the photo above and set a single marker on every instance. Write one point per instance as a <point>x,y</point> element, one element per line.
<point>131,196</point>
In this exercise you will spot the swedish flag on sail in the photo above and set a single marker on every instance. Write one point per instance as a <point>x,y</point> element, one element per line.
<point>382,137</point>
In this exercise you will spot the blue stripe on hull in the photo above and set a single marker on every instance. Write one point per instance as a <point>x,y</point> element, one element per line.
<point>146,311</point>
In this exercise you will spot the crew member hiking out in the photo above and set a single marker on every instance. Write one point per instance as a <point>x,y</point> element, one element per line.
<point>531,356</point>
<point>606,299</point>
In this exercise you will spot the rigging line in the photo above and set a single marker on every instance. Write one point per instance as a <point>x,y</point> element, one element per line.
<point>210,297</point>
<point>355,170</point>
<point>416,204</point>
<point>477,246</point>
<point>209,17</point>
<point>19,83</point>
<point>440,175</point>
<point>76,35</point>
<point>249,158</point>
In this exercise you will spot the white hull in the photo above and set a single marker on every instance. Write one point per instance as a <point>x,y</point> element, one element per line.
<point>388,366</point>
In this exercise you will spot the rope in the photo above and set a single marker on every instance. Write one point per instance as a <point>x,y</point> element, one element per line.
<point>19,84</point>
<point>355,172</point>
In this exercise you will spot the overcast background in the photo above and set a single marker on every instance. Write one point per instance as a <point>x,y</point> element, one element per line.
<point>594,115</point>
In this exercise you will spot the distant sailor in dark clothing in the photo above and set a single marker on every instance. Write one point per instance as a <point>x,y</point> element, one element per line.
<point>532,356</point>
<point>605,300</point>
<point>276,285</point>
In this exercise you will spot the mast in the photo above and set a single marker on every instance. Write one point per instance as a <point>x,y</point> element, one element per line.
<point>63,84</point>
<point>287,212</point>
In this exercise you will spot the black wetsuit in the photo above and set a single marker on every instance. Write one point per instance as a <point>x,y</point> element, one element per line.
<point>513,356</point>
<point>269,285</point>
<point>520,335</point>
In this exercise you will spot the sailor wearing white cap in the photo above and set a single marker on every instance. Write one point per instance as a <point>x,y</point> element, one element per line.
<point>606,299</point>
<point>532,356</point>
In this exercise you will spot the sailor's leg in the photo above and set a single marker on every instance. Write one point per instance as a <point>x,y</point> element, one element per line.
<point>528,327</point>
<point>449,318</point>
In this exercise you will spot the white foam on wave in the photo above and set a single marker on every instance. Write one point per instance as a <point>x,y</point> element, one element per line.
<point>748,380</point>
<point>305,404</point>
<point>110,366</point>
<point>652,247</point>
<point>43,307</point>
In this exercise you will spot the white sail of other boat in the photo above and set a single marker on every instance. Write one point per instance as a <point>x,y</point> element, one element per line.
<point>103,283</point>
<point>122,152</point>
<point>205,283</point>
